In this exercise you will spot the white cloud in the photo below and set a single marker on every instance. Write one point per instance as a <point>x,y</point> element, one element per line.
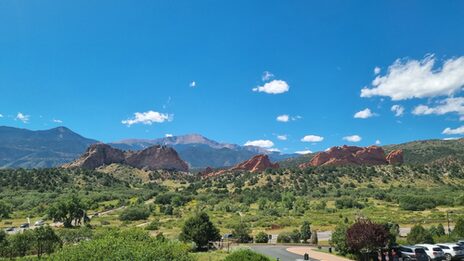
<point>282,137</point>
<point>364,114</point>
<point>448,105</point>
<point>353,138</point>
<point>398,110</point>
<point>283,118</point>
<point>1,115</point>
<point>22,117</point>
<point>57,121</point>
<point>377,70</point>
<point>273,150</point>
<point>461,118</point>
<point>457,131</point>
<point>312,138</point>
<point>302,152</point>
<point>297,117</point>
<point>273,87</point>
<point>260,143</point>
<point>147,118</point>
<point>168,135</point>
<point>267,76</point>
<point>407,79</point>
<point>378,142</point>
<point>452,138</point>
<point>193,84</point>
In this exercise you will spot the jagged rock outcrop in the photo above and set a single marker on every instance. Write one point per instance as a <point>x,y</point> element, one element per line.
<point>207,171</point>
<point>97,155</point>
<point>349,155</point>
<point>395,157</point>
<point>152,158</point>
<point>257,163</point>
<point>156,157</point>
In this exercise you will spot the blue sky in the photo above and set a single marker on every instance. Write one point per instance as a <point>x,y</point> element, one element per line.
<point>91,65</point>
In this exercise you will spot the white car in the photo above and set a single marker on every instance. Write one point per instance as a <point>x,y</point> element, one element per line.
<point>452,251</point>
<point>39,223</point>
<point>434,252</point>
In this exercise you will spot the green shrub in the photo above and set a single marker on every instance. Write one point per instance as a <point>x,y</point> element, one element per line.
<point>134,213</point>
<point>248,255</point>
<point>262,237</point>
<point>284,237</point>
<point>153,225</point>
<point>125,245</point>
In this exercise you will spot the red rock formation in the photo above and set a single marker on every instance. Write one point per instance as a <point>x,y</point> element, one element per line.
<point>348,155</point>
<point>97,155</point>
<point>207,171</point>
<point>395,157</point>
<point>155,157</point>
<point>256,164</point>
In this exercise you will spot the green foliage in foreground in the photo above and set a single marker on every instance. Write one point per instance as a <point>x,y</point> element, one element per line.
<point>125,245</point>
<point>200,230</point>
<point>247,255</point>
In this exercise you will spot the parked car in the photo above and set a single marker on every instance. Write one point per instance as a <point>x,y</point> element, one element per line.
<point>25,225</point>
<point>461,242</point>
<point>9,229</point>
<point>413,253</point>
<point>434,252</point>
<point>452,251</point>
<point>39,223</point>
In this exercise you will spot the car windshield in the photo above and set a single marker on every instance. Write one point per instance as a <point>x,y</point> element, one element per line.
<point>437,249</point>
<point>419,251</point>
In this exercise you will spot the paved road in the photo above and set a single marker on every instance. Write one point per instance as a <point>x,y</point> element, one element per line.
<point>278,252</point>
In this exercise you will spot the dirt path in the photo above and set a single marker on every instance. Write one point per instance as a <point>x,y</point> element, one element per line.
<point>316,254</point>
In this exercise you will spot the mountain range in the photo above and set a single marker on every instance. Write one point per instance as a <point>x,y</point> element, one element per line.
<point>22,148</point>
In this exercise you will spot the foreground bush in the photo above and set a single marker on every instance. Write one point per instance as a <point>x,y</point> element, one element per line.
<point>248,255</point>
<point>125,245</point>
<point>262,237</point>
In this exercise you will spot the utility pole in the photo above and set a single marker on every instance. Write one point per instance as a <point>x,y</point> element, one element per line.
<point>447,217</point>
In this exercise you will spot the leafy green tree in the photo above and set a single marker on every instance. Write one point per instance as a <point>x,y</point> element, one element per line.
<point>284,237</point>
<point>338,239</point>
<point>199,229</point>
<point>241,255</point>
<point>305,231</point>
<point>295,236</point>
<point>440,230</point>
<point>70,210</point>
<point>242,232</point>
<point>46,241</point>
<point>20,244</point>
<point>458,230</point>
<point>262,237</point>
<point>419,235</point>
<point>5,210</point>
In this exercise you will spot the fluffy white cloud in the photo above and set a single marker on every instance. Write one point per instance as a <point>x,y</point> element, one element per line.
<point>147,118</point>
<point>260,143</point>
<point>407,79</point>
<point>364,114</point>
<point>283,118</point>
<point>302,152</point>
<point>273,150</point>
<point>457,131</point>
<point>282,137</point>
<point>398,110</point>
<point>447,105</point>
<point>22,117</point>
<point>353,138</point>
<point>57,121</point>
<point>168,135</point>
<point>378,142</point>
<point>273,87</point>
<point>312,138</point>
<point>267,76</point>
<point>193,84</point>
<point>377,70</point>
<point>451,138</point>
